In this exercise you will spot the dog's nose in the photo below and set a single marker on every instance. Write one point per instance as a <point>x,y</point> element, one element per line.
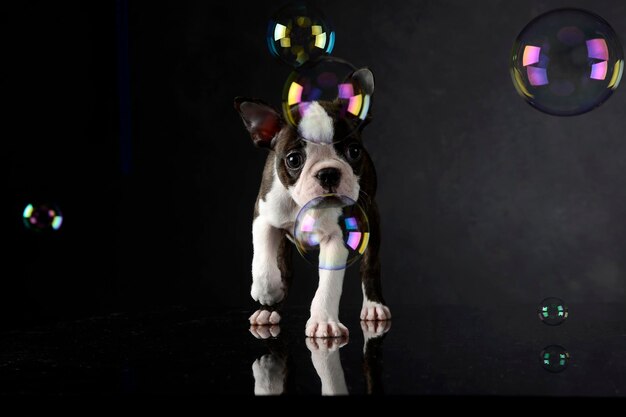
<point>328,177</point>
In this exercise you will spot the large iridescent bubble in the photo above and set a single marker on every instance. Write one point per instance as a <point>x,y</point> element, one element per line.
<point>567,62</point>
<point>344,91</point>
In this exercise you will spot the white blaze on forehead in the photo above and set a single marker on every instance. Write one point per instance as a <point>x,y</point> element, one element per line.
<point>316,125</point>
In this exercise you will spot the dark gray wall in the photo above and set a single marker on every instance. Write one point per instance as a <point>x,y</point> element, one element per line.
<point>483,199</point>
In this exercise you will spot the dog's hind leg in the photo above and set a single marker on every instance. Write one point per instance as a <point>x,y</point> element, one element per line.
<point>374,307</point>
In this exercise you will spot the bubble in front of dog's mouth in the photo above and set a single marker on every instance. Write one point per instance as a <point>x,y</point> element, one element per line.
<point>331,231</point>
<point>298,33</point>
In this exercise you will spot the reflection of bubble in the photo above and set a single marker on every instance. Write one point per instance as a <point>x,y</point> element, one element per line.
<point>331,231</point>
<point>344,90</point>
<point>552,311</point>
<point>554,358</point>
<point>567,62</point>
<point>42,217</point>
<point>299,33</point>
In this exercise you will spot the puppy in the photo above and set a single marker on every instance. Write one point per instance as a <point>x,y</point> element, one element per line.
<point>296,171</point>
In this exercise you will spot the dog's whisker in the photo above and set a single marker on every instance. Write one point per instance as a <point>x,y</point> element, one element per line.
<point>366,195</point>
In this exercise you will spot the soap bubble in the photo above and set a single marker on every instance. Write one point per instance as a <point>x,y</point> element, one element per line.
<point>567,62</point>
<point>331,231</point>
<point>554,358</point>
<point>40,217</point>
<point>299,33</point>
<point>344,92</point>
<point>552,311</point>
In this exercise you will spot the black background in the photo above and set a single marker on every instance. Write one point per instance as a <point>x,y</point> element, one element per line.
<point>484,200</point>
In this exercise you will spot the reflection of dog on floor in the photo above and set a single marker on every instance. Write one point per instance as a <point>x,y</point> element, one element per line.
<point>270,371</point>
<point>297,171</point>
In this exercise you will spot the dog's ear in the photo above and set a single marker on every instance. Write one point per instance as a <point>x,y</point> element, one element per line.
<point>365,78</point>
<point>262,120</point>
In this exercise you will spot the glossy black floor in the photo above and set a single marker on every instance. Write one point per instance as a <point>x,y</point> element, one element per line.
<point>444,350</point>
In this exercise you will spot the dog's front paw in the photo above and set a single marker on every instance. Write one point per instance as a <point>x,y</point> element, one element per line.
<point>373,311</point>
<point>323,326</point>
<point>263,317</point>
<point>269,375</point>
<point>267,286</point>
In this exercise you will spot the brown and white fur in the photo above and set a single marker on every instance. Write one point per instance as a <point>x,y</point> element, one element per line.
<point>297,171</point>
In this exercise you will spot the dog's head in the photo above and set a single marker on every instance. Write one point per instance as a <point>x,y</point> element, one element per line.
<point>333,162</point>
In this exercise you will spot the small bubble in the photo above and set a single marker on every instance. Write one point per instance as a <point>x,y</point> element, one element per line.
<point>552,311</point>
<point>554,358</point>
<point>42,216</point>
<point>299,33</point>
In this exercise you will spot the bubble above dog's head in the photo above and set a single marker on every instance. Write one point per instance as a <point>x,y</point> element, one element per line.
<point>298,33</point>
<point>331,95</point>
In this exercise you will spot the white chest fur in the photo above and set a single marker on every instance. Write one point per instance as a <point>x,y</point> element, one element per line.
<point>278,208</point>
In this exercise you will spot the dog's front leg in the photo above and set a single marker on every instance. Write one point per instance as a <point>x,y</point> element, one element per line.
<point>267,285</point>
<point>324,321</point>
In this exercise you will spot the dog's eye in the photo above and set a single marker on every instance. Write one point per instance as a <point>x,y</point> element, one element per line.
<point>294,160</point>
<point>354,152</point>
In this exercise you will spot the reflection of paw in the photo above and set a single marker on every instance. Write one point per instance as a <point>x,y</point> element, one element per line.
<point>269,375</point>
<point>267,285</point>
<point>265,332</point>
<point>327,344</point>
<point>327,363</point>
<point>374,329</point>
<point>375,311</point>
<point>264,317</point>
<point>324,327</point>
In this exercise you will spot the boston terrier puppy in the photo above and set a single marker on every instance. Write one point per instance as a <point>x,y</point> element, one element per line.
<point>296,171</point>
